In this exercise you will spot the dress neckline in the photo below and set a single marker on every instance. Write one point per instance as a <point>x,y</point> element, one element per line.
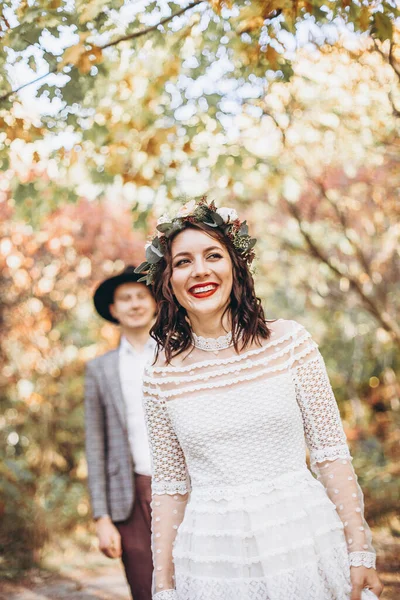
<point>294,327</point>
<point>210,344</point>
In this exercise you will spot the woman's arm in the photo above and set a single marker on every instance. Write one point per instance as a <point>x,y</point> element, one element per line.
<point>329,453</point>
<point>170,487</point>
<point>331,460</point>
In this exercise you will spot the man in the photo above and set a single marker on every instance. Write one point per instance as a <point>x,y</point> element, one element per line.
<point>117,448</point>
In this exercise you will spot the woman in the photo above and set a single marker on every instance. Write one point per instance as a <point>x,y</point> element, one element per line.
<point>229,402</point>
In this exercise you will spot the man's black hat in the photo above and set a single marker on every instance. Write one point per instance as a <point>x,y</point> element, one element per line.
<point>104,294</point>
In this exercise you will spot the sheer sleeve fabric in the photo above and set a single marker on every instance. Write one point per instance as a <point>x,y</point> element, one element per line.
<point>170,487</point>
<point>329,453</point>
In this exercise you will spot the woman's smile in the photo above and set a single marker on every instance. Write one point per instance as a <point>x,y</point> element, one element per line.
<point>203,290</point>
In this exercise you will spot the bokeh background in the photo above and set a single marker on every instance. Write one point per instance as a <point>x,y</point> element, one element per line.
<point>111,113</point>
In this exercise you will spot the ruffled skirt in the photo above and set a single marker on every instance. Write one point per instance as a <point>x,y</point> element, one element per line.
<point>265,541</point>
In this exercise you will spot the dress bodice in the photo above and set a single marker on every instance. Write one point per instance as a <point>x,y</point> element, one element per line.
<point>251,432</point>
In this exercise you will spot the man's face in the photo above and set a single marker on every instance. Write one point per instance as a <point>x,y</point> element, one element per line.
<point>134,307</point>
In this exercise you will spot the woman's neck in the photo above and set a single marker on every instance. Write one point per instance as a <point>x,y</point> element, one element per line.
<point>211,326</point>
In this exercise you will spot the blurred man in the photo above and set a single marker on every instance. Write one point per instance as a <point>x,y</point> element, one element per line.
<point>116,438</point>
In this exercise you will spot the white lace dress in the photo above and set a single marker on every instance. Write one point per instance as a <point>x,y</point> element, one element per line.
<point>236,513</point>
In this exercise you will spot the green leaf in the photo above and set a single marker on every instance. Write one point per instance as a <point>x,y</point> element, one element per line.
<point>252,243</point>
<point>217,218</point>
<point>382,27</point>
<point>354,12</point>
<point>98,134</point>
<point>164,227</point>
<point>287,70</point>
<point>213,99</point>
<point>144,266</point>
<point>18,42</point>
<point>153,255</point>
<point>244,228</point>
<point>32,63</point>
<point>157,244</point>
<point>51,89</point>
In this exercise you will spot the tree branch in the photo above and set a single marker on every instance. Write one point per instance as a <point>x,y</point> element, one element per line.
<point>137,34</point>
<point>124,38</point>
<point>392,60</point>
<point>396,111</point>
<point>389,58</point>
<point>343,222</point>
<point>21,87</point>
<point>381,316</point>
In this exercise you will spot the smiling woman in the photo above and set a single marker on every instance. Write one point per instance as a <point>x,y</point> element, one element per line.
<point>203,276</point>
<point>231,402</point>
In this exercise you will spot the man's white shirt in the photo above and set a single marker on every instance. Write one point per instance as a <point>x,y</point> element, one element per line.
<point>131,368</point>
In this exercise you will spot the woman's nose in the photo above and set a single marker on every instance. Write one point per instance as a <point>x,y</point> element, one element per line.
<point>200,268</point>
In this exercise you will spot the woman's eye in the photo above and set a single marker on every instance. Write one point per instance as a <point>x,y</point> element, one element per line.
<point>215,255</point>
<point>181,262</point>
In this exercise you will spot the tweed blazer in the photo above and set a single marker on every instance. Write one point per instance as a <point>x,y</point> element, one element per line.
<point>108,453</point>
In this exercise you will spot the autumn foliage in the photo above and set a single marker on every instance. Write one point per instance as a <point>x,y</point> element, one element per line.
<point>109,115</point>
<point>48,331</point>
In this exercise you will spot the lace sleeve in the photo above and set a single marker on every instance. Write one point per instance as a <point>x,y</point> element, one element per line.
<point>329,453</point>
<point>170,487</point>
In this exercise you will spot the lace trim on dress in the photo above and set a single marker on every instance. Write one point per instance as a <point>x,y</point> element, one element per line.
<point>362,559</point>
<point>212,344</point>
<point>302,478</point>
<point>166,595</point>
<point>333,453</point>
<point>231,359</point>
<point>307,542</point>
<point>332,566</point>
<point>169,487</point>
<point>249,364</point>
<point>239,533</point>
<point>228,382</point>
<point>241,504</point>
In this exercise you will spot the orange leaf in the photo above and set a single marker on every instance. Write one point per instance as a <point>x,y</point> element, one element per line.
<point>364,18</point>
<point>72,55</point>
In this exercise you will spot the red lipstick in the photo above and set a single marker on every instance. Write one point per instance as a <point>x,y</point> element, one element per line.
<point>203,290</point>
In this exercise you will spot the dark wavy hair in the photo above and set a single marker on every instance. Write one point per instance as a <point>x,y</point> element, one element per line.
<point>171,329</point>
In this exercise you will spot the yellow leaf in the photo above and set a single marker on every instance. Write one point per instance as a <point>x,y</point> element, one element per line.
<point>89,58</point>
<point>250,24</point>
<point>218,5</point>
<point>272,56</point>
<point>364,18</point>
<point>72,55</point>
<point>84,64</point>
<point>88,10</point>
<point>82,58</point>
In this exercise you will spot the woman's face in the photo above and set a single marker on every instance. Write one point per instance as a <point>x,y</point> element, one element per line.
<point>202,274</point>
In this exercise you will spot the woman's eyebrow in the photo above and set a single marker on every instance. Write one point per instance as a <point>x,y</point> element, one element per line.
<point>186,253</point>
<point>181,254</point>
<point>212,248</point>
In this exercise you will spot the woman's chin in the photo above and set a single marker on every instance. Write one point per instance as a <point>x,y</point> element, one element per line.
<point>203,306</point>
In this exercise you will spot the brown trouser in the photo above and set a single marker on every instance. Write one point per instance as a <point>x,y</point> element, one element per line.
<point>136,541</point>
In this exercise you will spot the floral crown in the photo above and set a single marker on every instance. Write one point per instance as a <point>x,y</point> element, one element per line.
<point>225,219</point>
